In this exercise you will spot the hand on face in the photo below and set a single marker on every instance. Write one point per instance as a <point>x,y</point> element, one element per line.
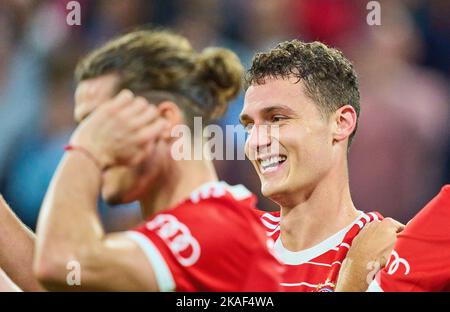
<point>121,131</point>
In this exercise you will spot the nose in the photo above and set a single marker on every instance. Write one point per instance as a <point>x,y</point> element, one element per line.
<point>259,137</point>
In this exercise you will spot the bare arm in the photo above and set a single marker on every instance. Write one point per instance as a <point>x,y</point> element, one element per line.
<point>69,228</point>
<point>16,249</point>
<point>367,255</point>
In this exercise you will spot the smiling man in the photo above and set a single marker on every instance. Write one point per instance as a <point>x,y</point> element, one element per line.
<point>301,111</point>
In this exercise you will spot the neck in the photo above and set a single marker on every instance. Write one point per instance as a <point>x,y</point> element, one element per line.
<point>180,180</point>
<point>318,213</point>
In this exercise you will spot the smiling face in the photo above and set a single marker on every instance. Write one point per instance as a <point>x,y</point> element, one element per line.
<point>297,151</point>
<point>120,184</point>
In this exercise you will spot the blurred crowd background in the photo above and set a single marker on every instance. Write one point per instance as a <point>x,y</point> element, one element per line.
<point>401,153</point>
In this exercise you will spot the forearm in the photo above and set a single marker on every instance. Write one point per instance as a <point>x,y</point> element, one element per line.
<point>353,276</point>
<point>16,249</point>
<point>69,227</point>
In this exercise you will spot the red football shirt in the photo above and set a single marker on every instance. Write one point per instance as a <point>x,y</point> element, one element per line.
<point>213,241</point>
<point>420,260</point>
<point>316,268</point>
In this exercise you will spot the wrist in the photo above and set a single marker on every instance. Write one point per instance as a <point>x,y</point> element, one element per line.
<point>92,149</point>
<point>82,139</point>
<point>100,163</point>
<point>353,275</point>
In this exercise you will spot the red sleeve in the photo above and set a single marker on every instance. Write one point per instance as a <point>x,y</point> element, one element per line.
<point>207,247</point>
<point>421,257</point>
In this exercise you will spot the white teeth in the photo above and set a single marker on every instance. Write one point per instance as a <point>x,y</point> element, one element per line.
<point>271,162</point>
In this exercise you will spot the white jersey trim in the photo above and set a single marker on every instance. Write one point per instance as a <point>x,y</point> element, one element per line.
<point>218,189</point>
<point>303,256</point>
<point>162,272</point>
<point>271,217</point>
<point>318,263</point>
<point>298,284</point>
<point>270,226</point>
<point>374,287</point>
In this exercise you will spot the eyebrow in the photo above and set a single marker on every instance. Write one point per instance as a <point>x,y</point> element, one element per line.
<point>267,110</point>
<point>244,118</point>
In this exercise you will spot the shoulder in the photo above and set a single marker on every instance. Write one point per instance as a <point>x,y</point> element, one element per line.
<point>217,202</point>
<point>434,217</point>
<point>213,211</point>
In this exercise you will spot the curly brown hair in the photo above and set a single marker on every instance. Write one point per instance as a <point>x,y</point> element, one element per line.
<point>160,65</point>
<point>328,77</point>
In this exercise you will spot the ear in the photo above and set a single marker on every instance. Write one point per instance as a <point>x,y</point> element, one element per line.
<point>345,123</point>
<point>172,114</point>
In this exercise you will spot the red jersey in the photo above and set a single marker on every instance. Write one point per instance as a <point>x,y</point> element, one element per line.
<point>316,268</point>
<point>213,241</point>
<point>420,260</point>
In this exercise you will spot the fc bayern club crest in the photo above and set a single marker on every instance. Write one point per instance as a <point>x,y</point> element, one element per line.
<point>326,287</point>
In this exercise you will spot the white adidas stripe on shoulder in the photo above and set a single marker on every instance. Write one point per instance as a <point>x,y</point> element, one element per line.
<point>360,224</point>
<point>366,217</point>
<point>269,225</point>
<point>374,215</point>
<point>271,217</point>
<point>277,229</point>
<point>217,189</point>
